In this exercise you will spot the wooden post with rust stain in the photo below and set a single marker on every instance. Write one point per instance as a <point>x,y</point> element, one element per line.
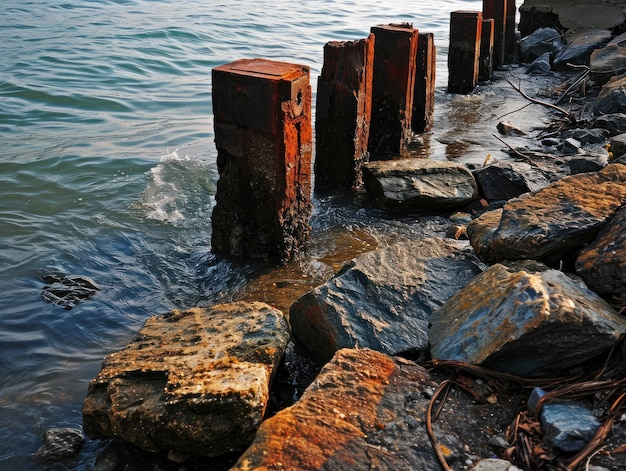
<point>392,89</point>
<point>263,135</point>
<point>464,51</point>
<point>497,9</point>
<point>509,33</point>
<point>485,70</point>
<point>424,94</point>
<point>342,121</point>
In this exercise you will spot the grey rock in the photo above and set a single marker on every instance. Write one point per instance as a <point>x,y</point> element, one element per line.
<point>567,425</point>
<point>612,97</point>
<point>383,299</point>
<point>534,321</point>
<point>607,62</point>
<point>506,128</point>
<point>192,382</point>
<point>540,65</point>
<point>506,180</point>
<point>618,145</point>
<point>542,41</point>
<point>60,443</point>
<point>614,123</point>
<point>494,464</point>
<point>587,136</point>
<point>67,290</point>
<point>550,223</point>
<point>570,146</point>
<point>419,184</point>
<point>580,45</point>
<point>602,263</point>
<point>586,162</point>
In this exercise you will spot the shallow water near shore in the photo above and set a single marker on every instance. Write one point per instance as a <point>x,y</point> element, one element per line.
<point>107,170</point>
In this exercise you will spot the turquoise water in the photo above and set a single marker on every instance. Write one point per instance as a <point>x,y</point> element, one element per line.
<point>107,170</point>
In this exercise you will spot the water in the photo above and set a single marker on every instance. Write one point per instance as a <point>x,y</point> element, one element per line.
<point>107,170</point>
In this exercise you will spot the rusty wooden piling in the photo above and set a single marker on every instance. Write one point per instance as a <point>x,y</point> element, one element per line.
<point>263,135</point>
<point>464,51</point>
<point>486,65</point>
<point>424,92</point>
<point>343,107</point>
<point>392,89</point>
<point>498,11</point>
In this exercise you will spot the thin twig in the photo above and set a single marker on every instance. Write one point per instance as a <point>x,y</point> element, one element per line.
<point>568,115</point>
<point>443,387</point>
<point>515,151</point>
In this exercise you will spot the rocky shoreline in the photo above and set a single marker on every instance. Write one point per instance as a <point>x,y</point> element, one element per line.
<point>429,349</point>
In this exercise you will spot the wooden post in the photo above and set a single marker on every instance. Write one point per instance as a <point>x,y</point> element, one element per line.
<point>485,70</point>
<point>424,94</point>
<point>263,136</point>
<point>392,89</point>
<point>509,34</point>
<point>498,10</point>
<point>342,122</point>
<point>464,53</point>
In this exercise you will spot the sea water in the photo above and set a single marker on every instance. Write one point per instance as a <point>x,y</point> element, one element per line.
<point>107,171</point>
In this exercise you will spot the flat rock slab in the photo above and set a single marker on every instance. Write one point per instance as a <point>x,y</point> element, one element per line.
<point>419,184</point>
<point>383,299</point>
<point>193,382</point>
<point>534,321</point>
<point>602,263</point>
<point>364,411</point>
<point>548,224</point>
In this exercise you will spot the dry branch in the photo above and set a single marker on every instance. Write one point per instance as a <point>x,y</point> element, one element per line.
<point>570,116</point>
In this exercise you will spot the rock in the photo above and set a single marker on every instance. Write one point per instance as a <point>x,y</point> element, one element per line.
<point>585,163</point>
<point>419,184</point>
<point>570,146</point>
<point>60,443</point>
<point>550,223</point>
<point>495,464</point>
<point>589,14</point>
<point>506,128</point>
<point>193,382</point>
<point>602,264</point>
<point>607,62</point>
<point>612,97</point>
<point>614,123</point>
<point>540,65</point>
<point>506,180</point>
<point>535,321</point>
<point>364,411</point>
<point>67,290</point>
<point>587,136</point>
<point>382,299</point>
<point>618,145</point>
<point>540,42</point>
<point>580,45</point>
<point>567,425</point>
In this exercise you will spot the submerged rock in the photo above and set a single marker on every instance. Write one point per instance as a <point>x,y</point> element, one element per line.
<point>60,443</point>
<point>364,411</point>
<point>548,224</point>
<point>193,382</point>
<point>67,290</point>
<point>419,184</point>
<point>383,299</point>
<point>602,263</point>
<point>524,319</point>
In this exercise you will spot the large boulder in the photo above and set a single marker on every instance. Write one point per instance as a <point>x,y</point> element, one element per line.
<point>607,62</point>
<point>580,45</point>
<point>419,184</point>
<point>534,321</point>
<point>539,42</point>
<point>364,411</point>
<point>612,97</point>
<point>193,382</point>
<point>602,264</point>
<point>383,299</point>
<point>549,224</point>
<point>507,180</point>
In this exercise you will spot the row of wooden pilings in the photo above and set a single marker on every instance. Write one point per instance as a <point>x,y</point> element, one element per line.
<point>374,95</point>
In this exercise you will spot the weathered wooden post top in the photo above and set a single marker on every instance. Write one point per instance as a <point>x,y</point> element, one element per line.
<point>263,135</point>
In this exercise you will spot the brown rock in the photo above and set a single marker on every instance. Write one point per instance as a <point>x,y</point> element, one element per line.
<point>364,411</point>
<point>193,382</point>
<point>602,264</point>
<point>550,223</point>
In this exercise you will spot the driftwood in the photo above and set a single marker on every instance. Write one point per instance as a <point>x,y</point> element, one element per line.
<point>571,117</point>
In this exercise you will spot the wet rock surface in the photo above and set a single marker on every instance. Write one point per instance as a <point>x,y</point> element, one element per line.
<point>193,382</point>
<point>410,184</point>
<point>535,321</point>
<point>67,290</point>
<point>383,299</point>
<point>60,443</point>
